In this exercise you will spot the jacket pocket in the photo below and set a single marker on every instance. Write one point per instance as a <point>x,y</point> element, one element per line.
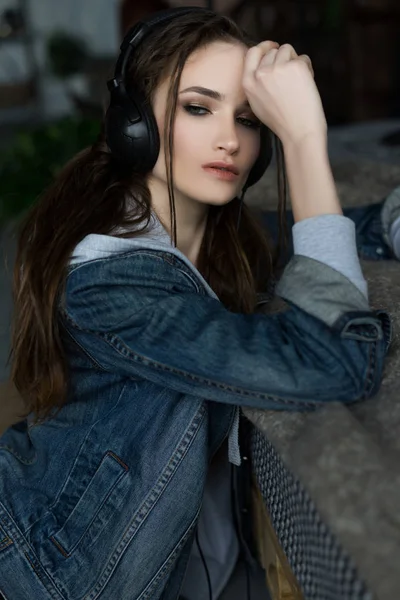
<point>92,508</point>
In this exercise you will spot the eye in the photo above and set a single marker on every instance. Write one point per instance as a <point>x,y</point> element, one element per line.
<point>194,109</point>
<point>252,123</point>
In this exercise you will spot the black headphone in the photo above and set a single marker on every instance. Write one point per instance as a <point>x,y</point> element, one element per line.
<point>130,125</point>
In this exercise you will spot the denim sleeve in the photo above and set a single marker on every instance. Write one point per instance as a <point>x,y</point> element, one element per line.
<point>390,217</point>
<point>319,350</point>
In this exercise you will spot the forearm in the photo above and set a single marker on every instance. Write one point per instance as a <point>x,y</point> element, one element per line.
<point>318,217</point>
<point>312,187</point>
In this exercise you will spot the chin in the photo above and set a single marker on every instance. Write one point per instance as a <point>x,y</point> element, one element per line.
<point>215,195</point>
<point>221,201</point>
<point>212,199</point>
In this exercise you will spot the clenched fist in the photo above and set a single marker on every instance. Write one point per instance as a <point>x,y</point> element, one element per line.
<point>281,90</point>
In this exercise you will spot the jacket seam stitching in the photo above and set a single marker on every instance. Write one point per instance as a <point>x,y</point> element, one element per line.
<point>135,357</point>
<point>157,254</point>
<point>370,371</point>
<point>150,501</point>
<point>110,339</point>
<point>167,563</point>
<point>85,352</point>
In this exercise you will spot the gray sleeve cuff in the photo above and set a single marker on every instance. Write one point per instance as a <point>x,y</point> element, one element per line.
<point>331,239</point>
<point>319,290</point>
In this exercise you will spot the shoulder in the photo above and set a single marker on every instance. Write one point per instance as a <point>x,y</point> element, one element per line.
<point>106,290</point>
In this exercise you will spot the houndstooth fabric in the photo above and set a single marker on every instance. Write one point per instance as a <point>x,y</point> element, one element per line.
<point>322,568</point>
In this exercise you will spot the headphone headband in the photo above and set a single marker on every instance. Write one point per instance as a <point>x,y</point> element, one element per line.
<point>130,126</point>
<point>140,30</point>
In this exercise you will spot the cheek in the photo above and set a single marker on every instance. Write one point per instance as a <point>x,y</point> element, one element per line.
<point>253,148</point>
<point>189,141</point>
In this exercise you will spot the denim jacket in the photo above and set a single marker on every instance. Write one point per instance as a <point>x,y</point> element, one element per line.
<point>102,500</point>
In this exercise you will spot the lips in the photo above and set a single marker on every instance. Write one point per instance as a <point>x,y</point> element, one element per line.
<point>223,166</point>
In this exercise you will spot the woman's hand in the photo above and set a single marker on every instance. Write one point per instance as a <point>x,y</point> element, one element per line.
<point>282,93</point>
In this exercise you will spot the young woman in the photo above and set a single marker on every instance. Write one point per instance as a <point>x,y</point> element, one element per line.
<point>139,331</point>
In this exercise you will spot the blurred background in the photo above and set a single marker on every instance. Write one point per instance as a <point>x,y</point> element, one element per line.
<point>56,56</point>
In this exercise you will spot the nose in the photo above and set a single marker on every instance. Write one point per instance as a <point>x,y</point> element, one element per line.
<point>227,136</point>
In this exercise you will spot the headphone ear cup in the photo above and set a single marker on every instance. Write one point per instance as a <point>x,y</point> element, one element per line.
<point>264,158</point>
<point>131,131</point>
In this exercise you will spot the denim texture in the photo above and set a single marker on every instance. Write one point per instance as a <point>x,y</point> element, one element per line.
<point>102,500</point>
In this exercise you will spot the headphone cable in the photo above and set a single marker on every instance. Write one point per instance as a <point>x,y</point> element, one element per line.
<point>205,566</point>
<point>248,593</point>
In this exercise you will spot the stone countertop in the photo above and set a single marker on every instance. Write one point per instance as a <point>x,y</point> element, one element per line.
<point>359,182</point>
<point>348,458</point>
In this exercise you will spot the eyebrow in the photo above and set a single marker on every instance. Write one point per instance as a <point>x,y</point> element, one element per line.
<point>209,93</point>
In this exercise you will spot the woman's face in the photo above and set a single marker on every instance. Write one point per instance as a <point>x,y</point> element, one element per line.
<point>214,123</point>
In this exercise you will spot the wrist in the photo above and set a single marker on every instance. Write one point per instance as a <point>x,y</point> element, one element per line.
<point>308,143</point>
<point>312,187</point>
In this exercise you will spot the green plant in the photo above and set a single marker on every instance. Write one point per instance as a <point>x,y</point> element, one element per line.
<point>36,156</point>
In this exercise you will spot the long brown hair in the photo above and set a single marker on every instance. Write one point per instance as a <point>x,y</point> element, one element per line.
<point>91,195</point>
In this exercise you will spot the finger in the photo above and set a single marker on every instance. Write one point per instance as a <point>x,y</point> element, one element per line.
<point>308,62</point>
<point>255,54</point>
<point>285,54</point>
<point>267,45</point>
<point>269,58</point>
